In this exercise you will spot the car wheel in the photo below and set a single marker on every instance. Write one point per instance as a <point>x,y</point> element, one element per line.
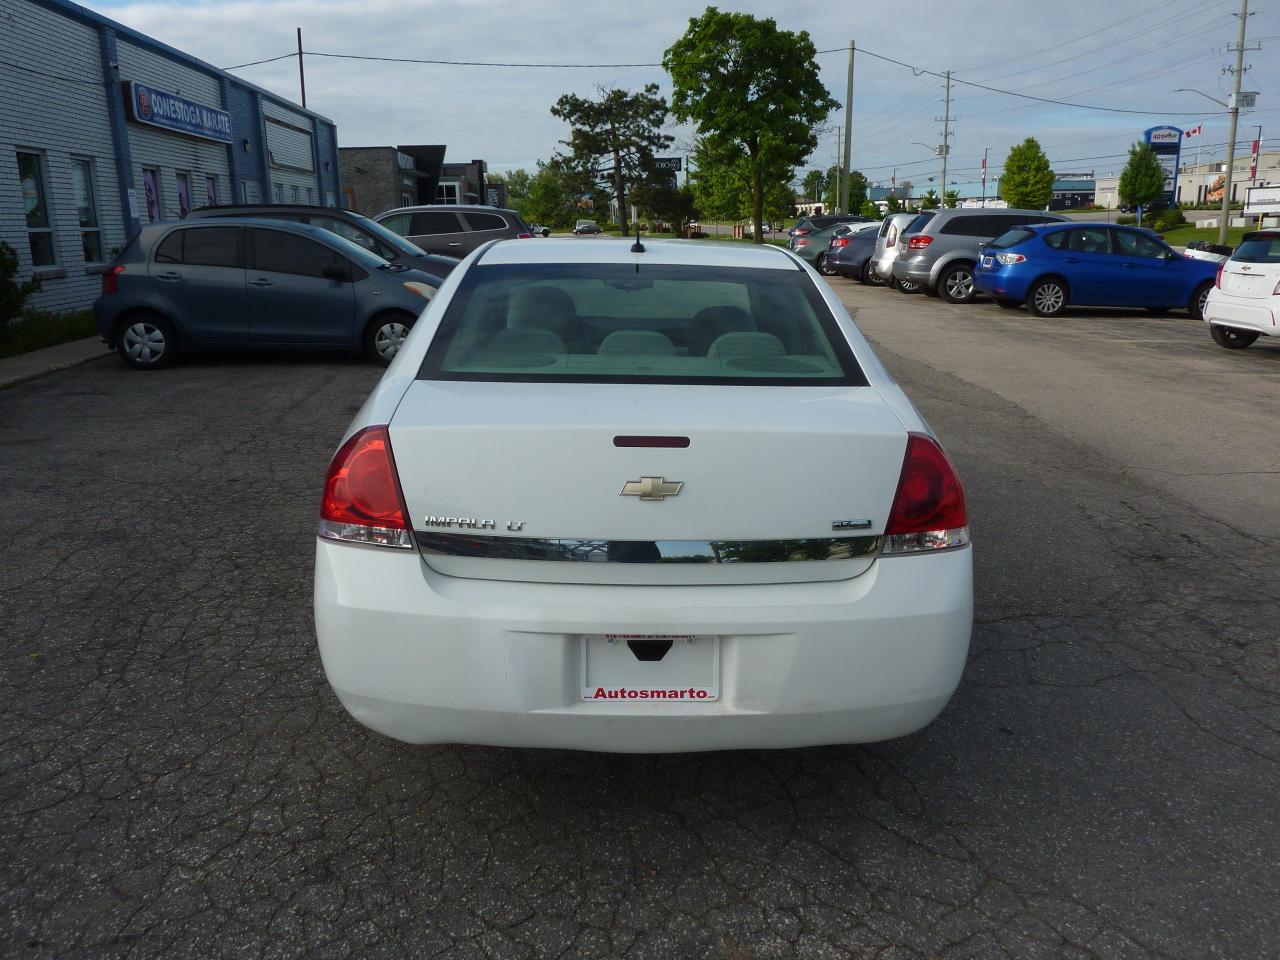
<point>147,342</point>
<point>823,267</point>
<point>384,336</point>
<point>956,284</point>
<point>870,276</point>
<point>1231,338</point>
<point>1048,298</point>
<point>546,232</point>
<point>1198,301</point>
<point>1007,304</point>
<point>905,286</point>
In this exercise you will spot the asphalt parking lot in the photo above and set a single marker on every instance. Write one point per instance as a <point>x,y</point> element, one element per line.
<point>178,781</point>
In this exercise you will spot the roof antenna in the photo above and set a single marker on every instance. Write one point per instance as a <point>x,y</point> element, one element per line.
<point>637,247</point>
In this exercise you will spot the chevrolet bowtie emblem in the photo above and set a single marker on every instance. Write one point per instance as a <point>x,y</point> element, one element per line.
<point>651,488</point>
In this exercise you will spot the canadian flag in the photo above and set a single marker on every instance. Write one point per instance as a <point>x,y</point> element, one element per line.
<point>1193,132</point>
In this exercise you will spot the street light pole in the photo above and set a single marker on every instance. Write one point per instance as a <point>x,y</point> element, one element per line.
<point>1235,117</point>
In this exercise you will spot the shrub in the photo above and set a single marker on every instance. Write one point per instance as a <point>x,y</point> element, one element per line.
<point>13,295</point>
<point>1126,219</point>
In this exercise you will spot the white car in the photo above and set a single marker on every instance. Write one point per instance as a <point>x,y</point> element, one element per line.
<point>896,226</point>
<point>641,500</point>
<point>1245,300</point>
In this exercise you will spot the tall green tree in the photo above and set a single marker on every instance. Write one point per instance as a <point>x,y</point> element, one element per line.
<point>951,199</point>
<point>744,82</point>
<point>720,180</point>
<point>892,205</point>
<point>553,195</point>
<point>930,200</point>
<point>1142,180</point>
<point>814,185</point>
<point>1027,181</point>
<point>857,191</point>
<point>616,135</point>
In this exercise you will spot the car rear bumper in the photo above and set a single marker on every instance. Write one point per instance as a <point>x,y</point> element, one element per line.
<point>999,283</point>
<point>428,658</point>
<point>913,271</point>
<point>1228,311</point>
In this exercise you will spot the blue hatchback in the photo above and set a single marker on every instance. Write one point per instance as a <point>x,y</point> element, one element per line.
<point>1055,265</point>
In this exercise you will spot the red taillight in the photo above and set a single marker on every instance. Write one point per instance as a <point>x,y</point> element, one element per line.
<point>919,242</point>
<point>1217,281</point>
<point>839,242</point>
<point>801,231</point>
<point>928,509</point>
<point>362,499</point>
<point>109,283</point>
<point>524,236</point>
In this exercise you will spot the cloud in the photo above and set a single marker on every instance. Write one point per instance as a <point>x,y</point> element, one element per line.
<point>501,115</point>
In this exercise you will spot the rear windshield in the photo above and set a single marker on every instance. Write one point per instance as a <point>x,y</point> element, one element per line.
<point>1263,249</point>
<point>1011,238</point>
<point>916,225</point>
<point>619,323</point>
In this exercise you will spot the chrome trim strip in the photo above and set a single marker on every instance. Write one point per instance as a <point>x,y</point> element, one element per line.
<point>581,549</point>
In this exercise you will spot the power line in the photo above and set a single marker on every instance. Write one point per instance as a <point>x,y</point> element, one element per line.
<point>254,63</point>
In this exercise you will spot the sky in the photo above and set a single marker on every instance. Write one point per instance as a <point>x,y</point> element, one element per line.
<point>1120,54</point>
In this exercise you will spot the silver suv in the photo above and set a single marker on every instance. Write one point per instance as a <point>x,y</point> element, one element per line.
<point>454,229</point>
<point>940,249</point>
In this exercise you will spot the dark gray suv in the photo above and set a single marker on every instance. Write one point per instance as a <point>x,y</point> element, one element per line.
<point>352,226</point>
<point>454,229</point>
<point>939,249</point>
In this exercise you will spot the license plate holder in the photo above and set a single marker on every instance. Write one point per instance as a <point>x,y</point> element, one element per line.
<point>987,263</point>
<point>689,672</point>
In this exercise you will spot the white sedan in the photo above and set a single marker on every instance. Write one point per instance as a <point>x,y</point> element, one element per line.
<point>1245,301</point>
<point>641,499</point>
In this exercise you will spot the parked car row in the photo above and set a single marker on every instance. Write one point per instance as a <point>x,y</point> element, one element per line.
<point>1025,257</point>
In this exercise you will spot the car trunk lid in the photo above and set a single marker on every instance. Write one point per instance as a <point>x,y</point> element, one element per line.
<point>499,478</point>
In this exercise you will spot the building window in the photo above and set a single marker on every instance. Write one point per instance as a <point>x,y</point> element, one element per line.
<point>210,190</point>
<point>35,202</point>
<point>311,196</point>
<point>406,200</point>
<point>279,192</point>
<point>448,193</point>
<point>295,194</point>
<point>86,208</point>
<point>151,187</point>
<point>184,192</point>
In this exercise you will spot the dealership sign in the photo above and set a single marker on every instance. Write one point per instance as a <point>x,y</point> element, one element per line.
<point>674,164</point>
<point>158,109</point>
<point>1166,144</point>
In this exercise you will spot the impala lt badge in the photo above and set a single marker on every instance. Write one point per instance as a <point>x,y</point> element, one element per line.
<point>651,488</point>
<point>851,525</point>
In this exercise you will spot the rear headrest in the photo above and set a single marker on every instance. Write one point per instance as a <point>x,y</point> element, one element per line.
<point>642,343</point>
<point>547,307</point>
<point>747,345</point>
<point>709,323</point>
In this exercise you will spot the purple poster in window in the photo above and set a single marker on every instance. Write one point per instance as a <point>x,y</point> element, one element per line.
<point>184,194</point>
<point>153,195</point>
<point>211,191</point>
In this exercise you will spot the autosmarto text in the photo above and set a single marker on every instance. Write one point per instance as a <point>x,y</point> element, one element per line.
<point>624,693</point>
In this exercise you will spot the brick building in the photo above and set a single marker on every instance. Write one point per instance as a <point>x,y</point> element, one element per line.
<point>103,128</point>
<point>375,179</point>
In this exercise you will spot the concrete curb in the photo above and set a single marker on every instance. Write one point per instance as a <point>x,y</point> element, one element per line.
<point>28,366</point>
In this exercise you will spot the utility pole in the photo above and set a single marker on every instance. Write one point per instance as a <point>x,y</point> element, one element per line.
<point>1235,117</point>
<point>837,166</point>
<point>946,137</point>
<point>848,131</point>
<point>985,150</point>
<point>302,76</point>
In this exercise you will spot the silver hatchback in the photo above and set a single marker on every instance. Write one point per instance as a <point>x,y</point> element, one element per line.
<point>454,229</point>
